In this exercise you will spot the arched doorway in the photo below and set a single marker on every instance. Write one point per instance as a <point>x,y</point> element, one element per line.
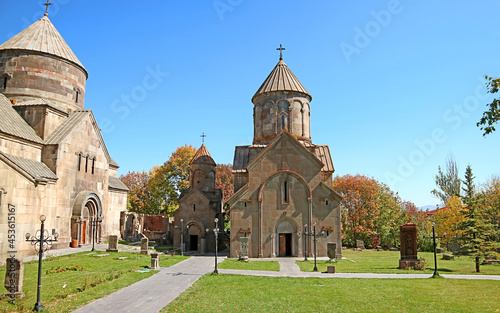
<point>86,219</point>
<point>196,237</point>
<point>286,239</point>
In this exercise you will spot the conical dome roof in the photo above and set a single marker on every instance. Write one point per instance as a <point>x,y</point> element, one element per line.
<point>281,79</point>
<point>42,36</point>
<point>202,156</point>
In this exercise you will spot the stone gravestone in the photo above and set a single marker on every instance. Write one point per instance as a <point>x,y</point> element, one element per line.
<point>243,248</point>
<point>145,245</point>
<point>155,261</point>
<point>113,244</point>
<point>14,278</point>
<point>360,244</point>
<point>408,240</point>
<point>331,249</point>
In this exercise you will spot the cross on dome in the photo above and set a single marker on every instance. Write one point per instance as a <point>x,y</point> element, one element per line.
<point>203,136</point>
<point>47,7</point>
<point>280,49</point>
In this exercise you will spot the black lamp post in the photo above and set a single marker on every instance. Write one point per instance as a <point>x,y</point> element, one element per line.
<point>182,236</point>
<point>42,242</point>
<point>216,233</point>
<point>436,273</point>
<point>314,234</point>
<point>305,242</point>
<point>95,224</point>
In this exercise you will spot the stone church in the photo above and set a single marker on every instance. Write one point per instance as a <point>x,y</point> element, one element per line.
<point>53,159</point>
<point>283,182</point>
<point>199,206</point>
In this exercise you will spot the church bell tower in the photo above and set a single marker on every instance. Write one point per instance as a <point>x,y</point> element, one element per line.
<point>280,103</point>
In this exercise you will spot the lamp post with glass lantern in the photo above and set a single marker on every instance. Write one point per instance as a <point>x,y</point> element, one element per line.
<point>42,242</point>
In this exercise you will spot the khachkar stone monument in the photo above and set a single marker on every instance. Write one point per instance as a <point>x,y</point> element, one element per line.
<point>144,245</point>
<point>408,238</point>
<point>14,279</point>
<point>243,249</point>
<point>113,244</point>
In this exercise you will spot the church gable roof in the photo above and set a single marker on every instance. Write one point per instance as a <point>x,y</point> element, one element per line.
<point>116,183</point>
<point>42,36</point>
<point>281,78</point>
<point>202,156</point>
<point>66,128</point>
<point>284,135</point>
<point>35,170</point>
<point>242,193</point>
<point>13,124</point>
<point>38,102</point>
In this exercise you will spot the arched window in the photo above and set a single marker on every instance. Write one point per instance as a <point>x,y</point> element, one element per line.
<point>5,82</point>
<point>86,163</point>
<point>93,165</point>
<point>282,122</point>
<point>77,95</point>
<point>194,207</point>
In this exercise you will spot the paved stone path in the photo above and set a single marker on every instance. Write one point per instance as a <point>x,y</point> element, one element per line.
<point>153,293</point>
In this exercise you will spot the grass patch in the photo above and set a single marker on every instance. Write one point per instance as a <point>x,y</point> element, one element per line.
<point>285,294</point>
<point>371,261</point>
<point>250,265</point>
<point>66,289</point>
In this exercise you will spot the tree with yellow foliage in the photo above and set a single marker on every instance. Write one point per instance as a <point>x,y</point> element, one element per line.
<point>448,218</point>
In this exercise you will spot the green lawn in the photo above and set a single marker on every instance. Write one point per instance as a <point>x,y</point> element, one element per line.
<point>371,261</point>
<point>250,265</point>
<point>284,294</point>
<point>67,290</point>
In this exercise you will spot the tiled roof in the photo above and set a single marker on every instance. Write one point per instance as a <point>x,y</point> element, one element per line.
<point>116,183</point>
<point>42,36</point>
<point>37,170</point>
<point>202,156</point>
<point>113,162</point>
<point>242,156</point>
<point>322,152</point>
<point>13,124</point>
<point>37,102</point>
<point>281,79</point>
<point>66,127</point>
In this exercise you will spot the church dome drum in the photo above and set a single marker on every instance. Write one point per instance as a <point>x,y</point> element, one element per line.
<point>38,63</point>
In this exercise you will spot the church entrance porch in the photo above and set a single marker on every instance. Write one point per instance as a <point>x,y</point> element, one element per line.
<point>86,219</point>
<point>285,242</point>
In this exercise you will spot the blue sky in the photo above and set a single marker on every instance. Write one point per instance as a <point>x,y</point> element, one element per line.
<point>397,86</point>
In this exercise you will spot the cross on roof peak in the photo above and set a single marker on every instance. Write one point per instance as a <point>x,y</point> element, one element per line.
<point>203,136</point>
<point>47,7</point>
<point>281,51</point>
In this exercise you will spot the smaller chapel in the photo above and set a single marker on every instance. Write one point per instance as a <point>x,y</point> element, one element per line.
<point>283,182</point>
<point>199,206</point>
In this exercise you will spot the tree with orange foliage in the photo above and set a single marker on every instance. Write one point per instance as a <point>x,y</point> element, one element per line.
<point>139,196</point>
<point>359,206</point>
<point>448,218</point>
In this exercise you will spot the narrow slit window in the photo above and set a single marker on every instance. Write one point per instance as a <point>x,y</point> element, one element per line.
<point>326,202</point>
<point>77,96</point>
<point>194,207</point>
<point>283,120</point>
<point>79,162</point>
<point>5,82</point>
<point>86,163</point>
<point>93,165</point>
<point>285,192</point>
